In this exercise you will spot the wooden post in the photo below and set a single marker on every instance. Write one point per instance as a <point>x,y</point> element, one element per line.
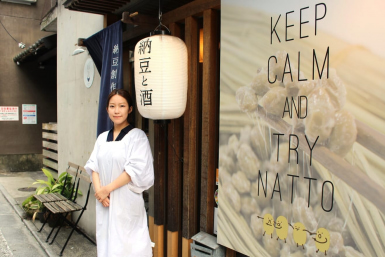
<point>175,182</point>
<point>159,241</point>
<point>160,167</point>
<point>191,134</point>
<point>209,119</point>
<point>186,250</point>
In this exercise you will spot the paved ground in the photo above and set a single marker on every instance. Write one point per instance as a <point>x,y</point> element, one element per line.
<point>18,233</point>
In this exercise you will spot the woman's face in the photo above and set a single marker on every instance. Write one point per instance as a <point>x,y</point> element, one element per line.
<point>118,109</point>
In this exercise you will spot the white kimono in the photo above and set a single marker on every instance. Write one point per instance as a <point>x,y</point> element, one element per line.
<point>121,228</point>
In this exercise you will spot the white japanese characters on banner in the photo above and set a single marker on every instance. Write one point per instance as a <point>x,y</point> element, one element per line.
<point>302,128</point>
<point>29,113</point>
<point>9,113</point>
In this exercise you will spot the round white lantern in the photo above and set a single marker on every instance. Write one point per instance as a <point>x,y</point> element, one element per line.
<point>161,77</point>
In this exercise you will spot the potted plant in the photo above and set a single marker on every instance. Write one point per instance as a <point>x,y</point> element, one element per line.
<point>35,208</point>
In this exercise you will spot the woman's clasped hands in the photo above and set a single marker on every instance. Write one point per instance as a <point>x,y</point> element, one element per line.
<point>103,196</point>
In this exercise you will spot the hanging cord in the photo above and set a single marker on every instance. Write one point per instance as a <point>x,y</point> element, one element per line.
<point>181,160</point>
<point>8,32</point>
<point>160,18</point>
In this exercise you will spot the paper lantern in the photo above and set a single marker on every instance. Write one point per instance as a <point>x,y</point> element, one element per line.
<point>161,77</point>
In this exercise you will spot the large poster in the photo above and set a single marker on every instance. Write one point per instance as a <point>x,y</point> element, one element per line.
<point>302,128</point>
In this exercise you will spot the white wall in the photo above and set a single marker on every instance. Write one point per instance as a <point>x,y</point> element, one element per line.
<point>77,105</point>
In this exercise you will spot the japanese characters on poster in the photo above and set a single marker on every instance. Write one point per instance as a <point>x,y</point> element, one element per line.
<point>9,113</point>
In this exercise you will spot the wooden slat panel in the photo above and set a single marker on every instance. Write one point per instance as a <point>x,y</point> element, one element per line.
<point>160,156</point>
<point>159,241</point>
<point>48,126</point>
<point>209,119</point>
<point>172,244</point>
<point>50,154</point>
<point>50,145</point>
<point>51,136</point>
<point>73,165</point>
<point>175,152</point>
<point>191,134</point>
<point>49,163</point>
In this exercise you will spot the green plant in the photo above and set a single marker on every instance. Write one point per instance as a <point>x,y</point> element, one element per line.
<point>31,205</point>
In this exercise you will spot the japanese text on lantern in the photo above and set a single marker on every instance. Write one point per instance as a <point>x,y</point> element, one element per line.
<point>145,94</point>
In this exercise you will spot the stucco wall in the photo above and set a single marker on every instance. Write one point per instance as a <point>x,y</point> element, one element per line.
<point>77,105</point>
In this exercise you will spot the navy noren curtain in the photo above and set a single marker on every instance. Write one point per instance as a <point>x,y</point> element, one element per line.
<point>106,50</point>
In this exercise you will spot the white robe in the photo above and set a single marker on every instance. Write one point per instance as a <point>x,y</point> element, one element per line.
<point>121,228</point>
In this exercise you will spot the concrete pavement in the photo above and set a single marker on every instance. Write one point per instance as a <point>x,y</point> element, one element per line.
<point>18,233</point>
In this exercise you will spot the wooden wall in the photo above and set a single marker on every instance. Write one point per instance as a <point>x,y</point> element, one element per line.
<point>186,149</point>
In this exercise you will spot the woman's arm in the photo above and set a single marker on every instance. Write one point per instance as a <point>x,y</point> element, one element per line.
<point>96,180</point>
<point>104,191</point>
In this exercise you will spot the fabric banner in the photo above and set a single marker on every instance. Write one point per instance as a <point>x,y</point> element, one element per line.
<point>302,128</point>
<point>106,50</point>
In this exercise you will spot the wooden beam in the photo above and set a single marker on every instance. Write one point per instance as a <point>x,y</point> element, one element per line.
<point>186,250</point>
<point>191,134</point>
<point>193,8</point>
<point>139,19</point>
<point>103,3</point>
<point>160,167</point>
<point>159,241</point>
<point>95,7</point>
<point>175,167</point>
<point>86,10</point>
<point>209,119</point>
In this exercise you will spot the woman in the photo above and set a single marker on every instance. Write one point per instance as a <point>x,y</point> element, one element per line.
<point>121,168</point>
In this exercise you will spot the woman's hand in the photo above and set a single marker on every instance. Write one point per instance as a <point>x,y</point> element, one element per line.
<point>102,194</point>
<point>106,202</point>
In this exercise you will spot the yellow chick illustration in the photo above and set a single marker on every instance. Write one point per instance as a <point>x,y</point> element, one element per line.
<point>268,224</point>
<point>322,240</point>
<point>299,234</point>
<point>282,227</point>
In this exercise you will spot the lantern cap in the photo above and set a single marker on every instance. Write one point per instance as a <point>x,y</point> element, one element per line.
<point>160,32</point>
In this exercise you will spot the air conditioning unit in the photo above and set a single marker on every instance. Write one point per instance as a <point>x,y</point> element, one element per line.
<point>27,2</point>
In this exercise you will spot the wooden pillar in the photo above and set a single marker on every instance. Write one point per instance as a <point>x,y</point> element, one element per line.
<point>186,250</point>
<point>209,154</point>
<point>159,241</point>
<point>160,167</point>
<point>174,191</point>
<point>191,134</point>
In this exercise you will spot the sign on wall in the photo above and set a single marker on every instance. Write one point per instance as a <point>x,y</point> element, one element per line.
<point>302,128</point>
<point>29,114</point>
<point>9,113</point>
<point>89,73</point>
